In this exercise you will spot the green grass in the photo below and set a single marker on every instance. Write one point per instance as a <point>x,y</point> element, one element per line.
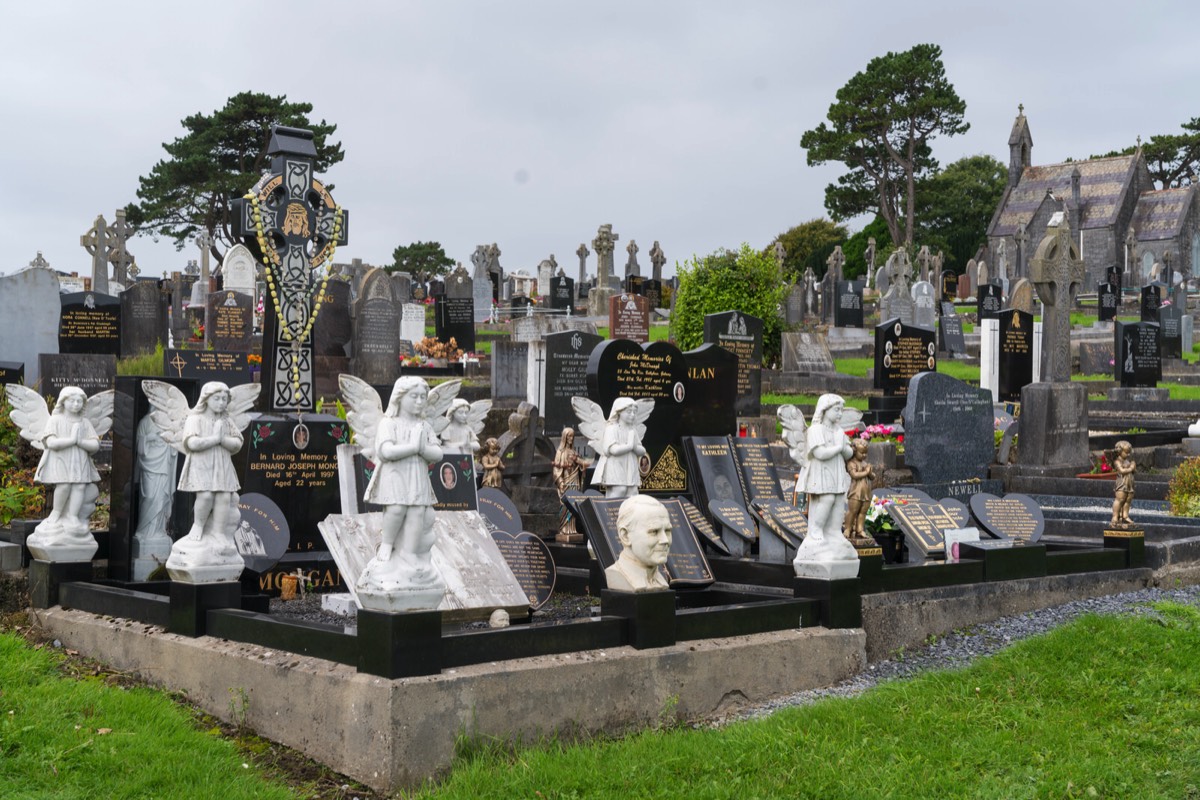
<point>63,737</point>
<point>1104,707</point>
<point>145,364</point>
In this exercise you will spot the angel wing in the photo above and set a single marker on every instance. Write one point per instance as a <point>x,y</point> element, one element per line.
<point>795,434</point>
<point>99,411</point>
<point>168,411</point>
<point>363,411</point>
<point>241,401</point>
<point>479,410</point>
<point>591,420</point>
<point>851,418</point>
<point>29,412</point>
<point>440,398</point>
<point>643,409</point>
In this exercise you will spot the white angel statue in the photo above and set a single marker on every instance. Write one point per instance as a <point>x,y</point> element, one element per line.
<point>465,423</point>
<point>620,442</point>
<point>208,435</point>
<point>68,437</point>
<point>402,441</point>
<point>821,452</point>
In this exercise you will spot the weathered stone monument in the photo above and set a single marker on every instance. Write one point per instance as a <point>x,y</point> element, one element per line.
<point>292,220</point>
<point>598,297</point>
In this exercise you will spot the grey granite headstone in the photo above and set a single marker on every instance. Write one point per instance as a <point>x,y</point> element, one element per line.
<point>510,369</point>
<point>924,305</point>
<point>947,429</point>
<point>376,340</point>
<point>806,353</point>
<point>1096,358</point>
<point>795,304</point>
<point>897,303</point>
<point>143,318</point>
<point>402,287</point>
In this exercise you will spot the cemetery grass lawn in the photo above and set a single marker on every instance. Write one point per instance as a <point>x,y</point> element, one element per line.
<point>1103,707</point>
<point>858,367</point>
<point>70,729</point>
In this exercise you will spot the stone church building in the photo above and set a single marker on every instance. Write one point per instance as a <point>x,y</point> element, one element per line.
<point>1116,214</point>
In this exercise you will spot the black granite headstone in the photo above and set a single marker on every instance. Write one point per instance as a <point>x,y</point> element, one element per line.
<point>949,286</point>
<point>567,354</point>
<point>950,331</point>
<point>652,290</point>
<point>1151,299</point>
<point>531,564</point>
<point>1114,277</point>
<point>303,482</point>
<point>520,304</point>
<point>332,331</point>
<point>742,335</point>
<point>1137,358</point>
<point>902,351</point>
<point>686,566</point>
<point>657,371</point>
<point>709,406</point>
<point>562,293</point>
<point>455,319</point>
<point>143,318</point>
<point>702,526</point>
<point>90,323</point>
<point>987,303</point>
<point>1108,299</point>
<point>208,365</point>
<point>924,525</point>
<point>1170,324</point>
<point>756,468</point>
<point>1014,516</point>
<point>1016,353</point>
<point>229,321</point>
<point>12,372</point>
<point>499,511</point>
<point>92,373</point>
<point>712,471</point>
<point>848,312</point>
<point>634,284</point>
<point>947,429</point>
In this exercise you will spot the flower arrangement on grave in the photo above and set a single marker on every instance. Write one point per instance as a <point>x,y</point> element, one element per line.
<point>1101,465</point>
<point>879,433</point>
<point>879,520</point>
<point>430,349</point>
<point>254,360</point>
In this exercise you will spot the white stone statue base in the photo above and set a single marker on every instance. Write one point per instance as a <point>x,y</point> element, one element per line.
<point>829,557</point>
<point>54,542</point>
<point>826,570</point>
<point>403,598</point>
<point>206,560</point>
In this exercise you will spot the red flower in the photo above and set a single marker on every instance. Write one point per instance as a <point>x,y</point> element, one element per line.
<point>900,438</point>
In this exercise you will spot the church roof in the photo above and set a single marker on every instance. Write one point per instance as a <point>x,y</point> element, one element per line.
<point>1160,214</point>
<point>1102,182</point>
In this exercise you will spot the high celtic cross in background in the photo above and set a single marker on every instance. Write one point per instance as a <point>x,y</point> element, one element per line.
<point>298,222</point>
<point>1057,272</point>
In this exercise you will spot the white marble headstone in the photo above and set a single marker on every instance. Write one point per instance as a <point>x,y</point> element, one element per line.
<point>239,270</point>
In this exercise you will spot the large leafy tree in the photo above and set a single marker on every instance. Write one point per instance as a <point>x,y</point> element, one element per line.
<point>745,280</point>
<point>809,245</point>
<point>955,205</point>
<point>423,260</point>
<point>220,157</point>
<point>880,128</point>
<point>1173,158</point>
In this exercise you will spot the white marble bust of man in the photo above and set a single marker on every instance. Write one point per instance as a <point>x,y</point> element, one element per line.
<point>644,528</point>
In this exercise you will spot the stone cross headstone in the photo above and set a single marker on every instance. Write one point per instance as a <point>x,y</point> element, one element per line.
<point>301,228</point>
<point>870,256</point>
<point>201,288</point>
<point>1057,273</point>
<point>835,263</point>
<point>123,262</point>
<point>779,251</point>
<point>828,296</point>
<point>811,308</point>
<point>95,241</point>
<point>583,254</point>
<point>1022,239</point>
<point>598,297</point>
<point>481,283</point>
<point>40,262</point>
<point>631,264</point>
<point>924,259</point>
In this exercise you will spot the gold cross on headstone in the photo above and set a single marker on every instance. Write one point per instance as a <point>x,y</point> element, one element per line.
<point>178,363</point>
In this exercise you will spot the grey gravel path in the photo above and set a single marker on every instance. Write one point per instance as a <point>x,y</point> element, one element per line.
<point>960,648</point>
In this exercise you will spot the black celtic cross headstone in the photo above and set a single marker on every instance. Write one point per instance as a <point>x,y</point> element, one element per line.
<point>298,223</point>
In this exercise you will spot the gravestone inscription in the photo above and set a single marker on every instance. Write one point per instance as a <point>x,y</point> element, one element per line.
<point>742,335</point>
<point>848,311</point>
<point>90,323</point>
<point>92,373</point>
<point>1108,299</point>
<point>229,321</point>
<point>208,365</point>
<point>806,353</point>
<point>950,331</point>
<point>987,304</point>
<point>376,337</point>
<point>531,563</point>
<point>713,472</point>
<point>947,429</point>
<point>1014,516</point>
<point>1170,323</point>
<point>1151,299</point>
<point>629,317</point>
<point>1138,355</point>
<point>902,351</point>
<point>567,354</point>
<point>1016,353</point>
<point>710,402</point>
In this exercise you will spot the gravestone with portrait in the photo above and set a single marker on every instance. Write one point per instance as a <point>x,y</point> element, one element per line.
<point>924,305</point>
<point>1137,361</point>
<point>89,323</point>
<point>629,317</point>
<point>713,472</point>
<point>567,354</point>
<point>902,351</point>
<point>988,302</point>
<point>742,335</point>
<point>29,318</point>
<point>454,316</point>
<point>1108,301</point>
<point>229,321</point>
<point>143,318</point>
<point>948,428</point>
<point>1015,353</point>
<point>848,312</point>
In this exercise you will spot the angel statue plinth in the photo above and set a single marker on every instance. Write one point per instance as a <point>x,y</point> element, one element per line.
<point>208,434</point>
<point>402,441</point>
<point>67,437</point>
<point>821,453</point>
<point>617,441</point>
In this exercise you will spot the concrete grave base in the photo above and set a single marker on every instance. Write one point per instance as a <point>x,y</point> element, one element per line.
<point>396,733</point>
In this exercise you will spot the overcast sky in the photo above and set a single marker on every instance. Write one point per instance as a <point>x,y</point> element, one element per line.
<point>529,124</point>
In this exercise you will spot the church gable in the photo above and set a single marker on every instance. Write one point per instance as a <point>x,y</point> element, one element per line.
<point>1162,214</point>
<point>1103,183</point>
